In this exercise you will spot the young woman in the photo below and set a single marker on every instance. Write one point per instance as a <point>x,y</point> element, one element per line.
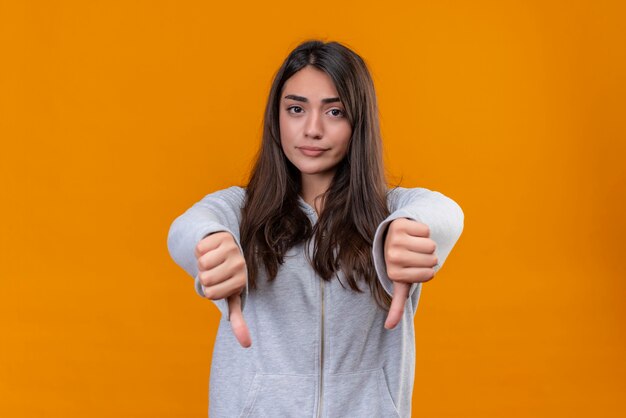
<point>316,265</point>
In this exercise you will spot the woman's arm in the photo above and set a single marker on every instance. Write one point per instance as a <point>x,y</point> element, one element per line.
<point>219,211</point>
<point>443,216</point>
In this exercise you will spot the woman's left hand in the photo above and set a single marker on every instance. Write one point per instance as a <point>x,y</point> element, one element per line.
<point>410,258</point>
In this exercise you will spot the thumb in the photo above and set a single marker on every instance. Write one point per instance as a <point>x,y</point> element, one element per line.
<point>396,310</point>
<point>238,324</point>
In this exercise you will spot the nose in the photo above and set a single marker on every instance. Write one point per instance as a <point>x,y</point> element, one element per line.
<point>314,127</point>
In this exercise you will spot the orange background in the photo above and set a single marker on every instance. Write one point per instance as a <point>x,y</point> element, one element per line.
<point>115,117</point>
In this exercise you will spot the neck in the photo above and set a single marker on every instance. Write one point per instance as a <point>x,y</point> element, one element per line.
<point>313,187</point>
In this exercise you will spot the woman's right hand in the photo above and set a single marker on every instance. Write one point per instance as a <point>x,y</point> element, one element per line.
<point>222,271</point>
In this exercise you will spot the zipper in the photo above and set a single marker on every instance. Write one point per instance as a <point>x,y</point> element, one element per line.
<point>321,387</point>
<point>313,214</point>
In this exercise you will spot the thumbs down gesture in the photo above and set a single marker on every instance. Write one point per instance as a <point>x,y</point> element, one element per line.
<point>222,273</point>
<point>409,258</point>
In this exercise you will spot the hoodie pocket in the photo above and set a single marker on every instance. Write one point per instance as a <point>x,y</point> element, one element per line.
<point>279,395</point>
<point>362,394</point>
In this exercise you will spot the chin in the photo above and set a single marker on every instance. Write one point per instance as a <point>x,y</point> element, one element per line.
<point>308,169</point>
<point>312,166</point>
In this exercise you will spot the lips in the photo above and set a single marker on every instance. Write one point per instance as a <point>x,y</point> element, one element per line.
<point>312,151</point>
<point>313,148</point>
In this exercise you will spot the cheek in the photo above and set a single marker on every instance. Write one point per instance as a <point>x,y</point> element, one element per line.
<point>345,140</point>
<point>286,131</point>
<point>286,139</point>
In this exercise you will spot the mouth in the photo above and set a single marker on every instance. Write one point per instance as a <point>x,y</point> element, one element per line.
<point>312,151</point>
<point>313,148</point>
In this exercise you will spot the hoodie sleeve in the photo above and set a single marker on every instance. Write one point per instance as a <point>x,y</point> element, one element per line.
<point>219,211</point>
<point>443,216</point>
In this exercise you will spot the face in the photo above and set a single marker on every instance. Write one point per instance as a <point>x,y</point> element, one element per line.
<point>314,129</point>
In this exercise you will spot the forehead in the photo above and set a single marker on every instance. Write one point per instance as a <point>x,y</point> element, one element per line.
<point>311,83</point>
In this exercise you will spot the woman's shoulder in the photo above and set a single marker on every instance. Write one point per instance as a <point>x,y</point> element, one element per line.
<point>398,193</point>
<point>235,191</point>
<point>398,196</point>
<point>233,196</point>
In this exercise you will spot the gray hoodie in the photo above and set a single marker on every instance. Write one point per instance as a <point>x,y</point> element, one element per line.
<point>318,349</point>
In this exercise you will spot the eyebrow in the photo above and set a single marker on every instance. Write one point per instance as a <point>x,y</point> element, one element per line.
<point>305,100</point>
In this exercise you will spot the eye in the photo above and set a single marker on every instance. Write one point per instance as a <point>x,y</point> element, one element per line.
<point>293,108</point>
<point>341,112</point>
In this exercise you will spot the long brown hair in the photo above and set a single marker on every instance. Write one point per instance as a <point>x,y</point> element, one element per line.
<point>356,200</point>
